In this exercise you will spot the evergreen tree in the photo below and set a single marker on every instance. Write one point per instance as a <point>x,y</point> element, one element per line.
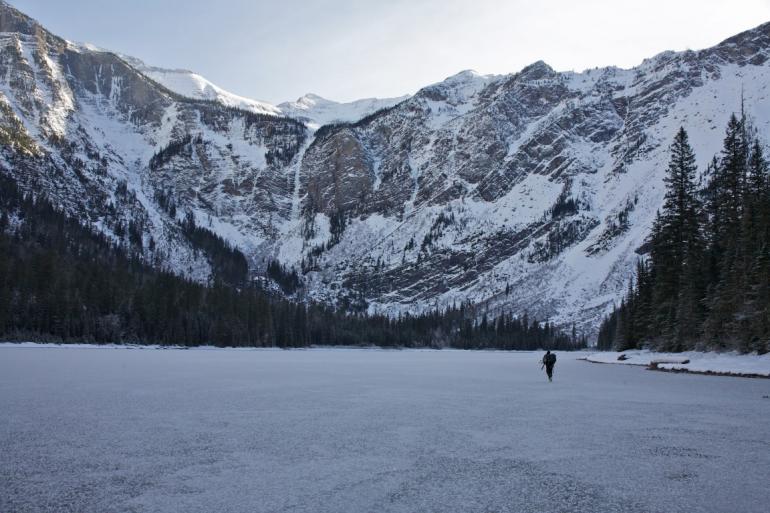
<point>728,237</point>
<point>677,250</point>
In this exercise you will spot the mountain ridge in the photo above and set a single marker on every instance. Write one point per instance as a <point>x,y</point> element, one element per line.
<point>528,192</point>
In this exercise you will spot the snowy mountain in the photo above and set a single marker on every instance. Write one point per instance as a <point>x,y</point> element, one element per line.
<point>525,192</point>
<point>310,109</point>
<point>119,150</point>
<point>317,111</point>
<point>193,85</point>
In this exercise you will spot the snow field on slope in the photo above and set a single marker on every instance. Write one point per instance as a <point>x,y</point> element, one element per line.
<point>193,85</point>
<point>372,430</point>
<point>318,111</point>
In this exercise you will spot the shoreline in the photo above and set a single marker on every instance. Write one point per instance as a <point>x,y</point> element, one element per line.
<point>691,362</point>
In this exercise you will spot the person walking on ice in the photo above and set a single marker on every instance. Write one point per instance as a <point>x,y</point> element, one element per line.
<point>549,360</point>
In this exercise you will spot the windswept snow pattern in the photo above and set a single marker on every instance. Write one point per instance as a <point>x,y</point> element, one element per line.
<point>326,431</point>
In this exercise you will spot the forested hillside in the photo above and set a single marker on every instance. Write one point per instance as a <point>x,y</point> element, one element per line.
<point>61,282</point>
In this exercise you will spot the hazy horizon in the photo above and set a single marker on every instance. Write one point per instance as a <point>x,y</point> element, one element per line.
<point>346,50</point>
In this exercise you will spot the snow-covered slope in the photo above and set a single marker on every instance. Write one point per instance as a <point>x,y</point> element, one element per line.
<point>317,111</point>
<point>525,192</point>
<point>193,85</point>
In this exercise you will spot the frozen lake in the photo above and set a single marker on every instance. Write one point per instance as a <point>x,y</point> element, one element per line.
<point>372,431</point>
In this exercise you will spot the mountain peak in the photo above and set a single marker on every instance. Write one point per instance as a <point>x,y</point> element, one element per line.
<point>749,47</point>
<point>760,31</point>
<point>139,64</point>
<point>466,74</point>
<point>466,77</point>
<point>538,69</point>
<point>192,85</point>
<point>313,96</point>
<point>309,101</point>
<point>317,111</point>
<point>458,88</point>
<point>13,20</point>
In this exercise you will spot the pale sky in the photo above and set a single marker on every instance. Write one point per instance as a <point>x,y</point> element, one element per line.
<point>277,50</point>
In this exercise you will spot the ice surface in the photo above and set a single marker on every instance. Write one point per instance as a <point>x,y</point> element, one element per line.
<point>372,431</point>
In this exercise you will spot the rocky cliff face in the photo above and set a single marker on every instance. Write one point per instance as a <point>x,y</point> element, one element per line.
<point>119,150</point>
<point>524,192</point>
<point>542,184</point>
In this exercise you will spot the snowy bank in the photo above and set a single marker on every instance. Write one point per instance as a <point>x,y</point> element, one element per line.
<point>729,364</point>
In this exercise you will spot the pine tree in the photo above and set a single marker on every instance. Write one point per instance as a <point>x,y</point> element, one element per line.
<point>728,236</point>
<point>678,249</point>
<point>749,325</point>
<point>682,212</point>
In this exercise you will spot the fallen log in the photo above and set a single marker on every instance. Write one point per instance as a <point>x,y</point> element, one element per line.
<point>677,361</point>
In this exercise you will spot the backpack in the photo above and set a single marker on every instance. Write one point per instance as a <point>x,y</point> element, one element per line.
<point>550,359</point>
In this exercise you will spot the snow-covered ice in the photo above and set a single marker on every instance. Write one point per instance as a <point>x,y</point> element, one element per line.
<point>372,431</point>
<point>719,363</point>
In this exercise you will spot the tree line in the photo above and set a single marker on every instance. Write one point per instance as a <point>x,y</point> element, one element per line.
<point>61,282</point>
<point>706,281</point>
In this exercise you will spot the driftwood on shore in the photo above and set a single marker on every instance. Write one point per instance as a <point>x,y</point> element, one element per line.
<point>677,361</point>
